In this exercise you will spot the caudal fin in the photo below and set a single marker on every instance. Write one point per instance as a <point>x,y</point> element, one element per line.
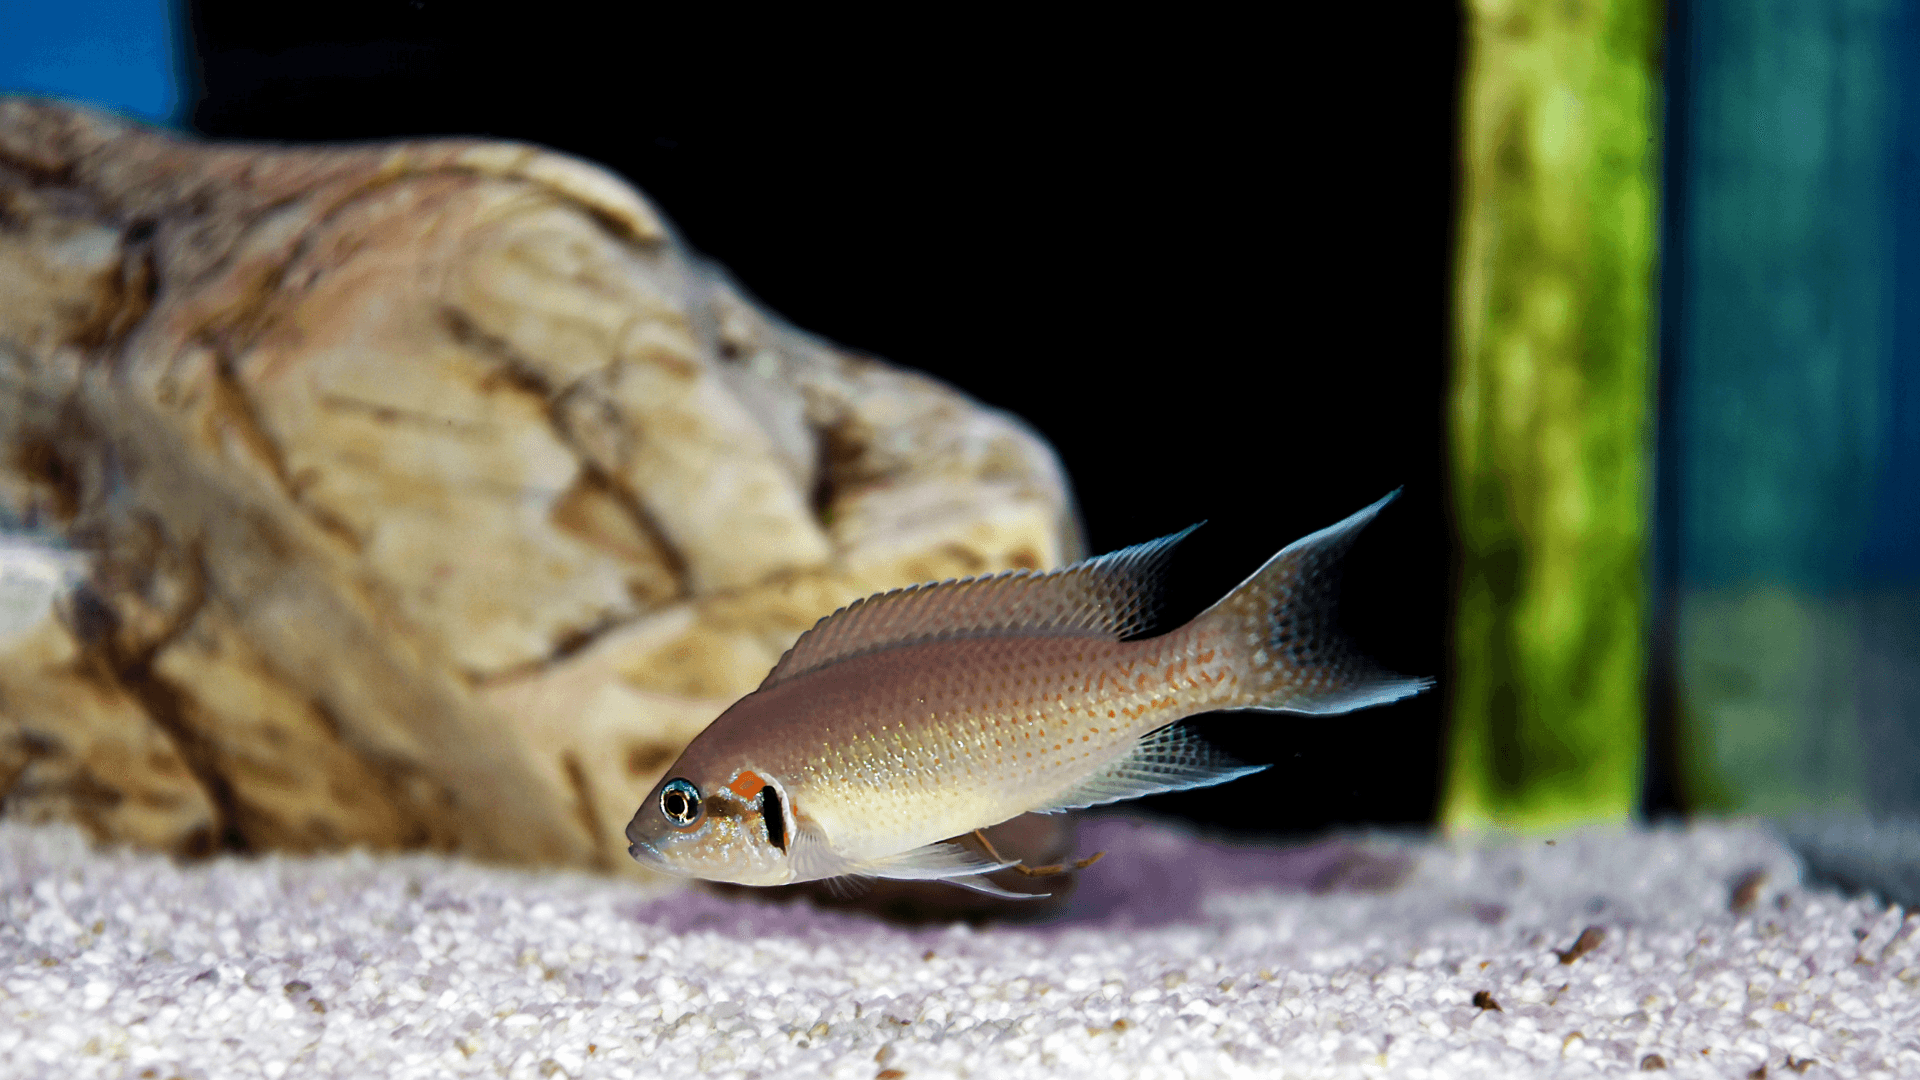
<point>1281,622</point>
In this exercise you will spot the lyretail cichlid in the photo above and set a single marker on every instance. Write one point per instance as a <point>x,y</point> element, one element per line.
<point>913,717</point>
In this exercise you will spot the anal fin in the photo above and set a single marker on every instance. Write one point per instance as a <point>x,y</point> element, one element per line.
<point>1172,758</point>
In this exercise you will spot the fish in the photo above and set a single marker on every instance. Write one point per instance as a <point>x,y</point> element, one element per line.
<point>904,722</point>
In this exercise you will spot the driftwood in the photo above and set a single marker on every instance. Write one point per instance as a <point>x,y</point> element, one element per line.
<point>426,494</point>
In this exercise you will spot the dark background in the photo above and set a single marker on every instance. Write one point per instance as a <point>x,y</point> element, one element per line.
<point>1207,259</point>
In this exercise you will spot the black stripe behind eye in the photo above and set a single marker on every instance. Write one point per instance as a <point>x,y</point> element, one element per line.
<point>775,816</point>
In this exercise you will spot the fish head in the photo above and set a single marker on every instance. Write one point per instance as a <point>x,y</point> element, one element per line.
<point>717,823</point>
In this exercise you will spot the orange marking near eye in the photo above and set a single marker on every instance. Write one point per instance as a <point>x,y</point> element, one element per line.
<point>747,784</point>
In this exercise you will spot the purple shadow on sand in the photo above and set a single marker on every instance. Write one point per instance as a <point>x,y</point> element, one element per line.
<point>1156,875</point>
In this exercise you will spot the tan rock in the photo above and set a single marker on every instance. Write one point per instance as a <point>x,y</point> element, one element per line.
<point>433,494</point>
<point>77,744</point>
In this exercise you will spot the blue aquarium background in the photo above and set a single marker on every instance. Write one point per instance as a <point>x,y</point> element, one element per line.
<point>1789,454</point>
<point>125,55</point>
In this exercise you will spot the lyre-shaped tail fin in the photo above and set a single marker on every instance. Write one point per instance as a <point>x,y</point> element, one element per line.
<point>1283,619</point>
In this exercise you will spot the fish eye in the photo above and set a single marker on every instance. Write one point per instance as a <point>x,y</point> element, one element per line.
<point>680,801</point>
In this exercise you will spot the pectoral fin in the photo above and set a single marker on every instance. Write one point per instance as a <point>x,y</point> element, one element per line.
<point>948,862</point>
<point>814,859</point>
<point>812,856</point>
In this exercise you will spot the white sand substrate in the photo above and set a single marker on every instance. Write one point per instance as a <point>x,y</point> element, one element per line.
<point>1177,958</point>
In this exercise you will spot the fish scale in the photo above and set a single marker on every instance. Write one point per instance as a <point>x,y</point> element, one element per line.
<point>1007,717</point>
<point>917,716</point>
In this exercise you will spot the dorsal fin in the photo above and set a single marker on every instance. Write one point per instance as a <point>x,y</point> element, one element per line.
<point>1112,596</point>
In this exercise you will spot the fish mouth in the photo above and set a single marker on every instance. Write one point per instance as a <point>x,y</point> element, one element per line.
<point>649,856</point>
<point>644,854</point>
<point>639,850</point>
